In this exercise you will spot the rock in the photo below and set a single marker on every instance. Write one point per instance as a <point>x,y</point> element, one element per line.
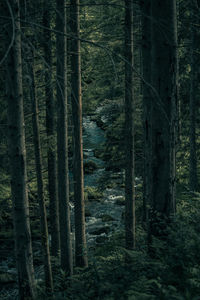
<point>87,212</point>
<point>120,201</point>
<point>92,193</point>
<point>106,218</point>
<point>101,239</point>
<point>89,167</point>
<point>113,168</point>
<point>101,230</point>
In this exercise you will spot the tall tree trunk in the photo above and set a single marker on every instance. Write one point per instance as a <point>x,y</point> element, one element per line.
<point>129,129</point>
<point>80,238</point>
<point>193,80</point>
<point>164,106</point>
<point>17,155</point>
<point>145,6</point>
<point>62,141</point>
<point>40,185</point>
<point>50,128</point>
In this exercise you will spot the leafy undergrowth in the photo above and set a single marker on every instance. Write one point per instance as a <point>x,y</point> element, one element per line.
<point>173,273</point>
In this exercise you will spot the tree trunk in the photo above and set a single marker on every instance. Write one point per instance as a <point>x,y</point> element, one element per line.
<point>40,185</point>
<point>80,238</point>
<point>129,129</point>
<point>145,6</point>
<point>62,141</point>
<point>164,107</point>
<point>193,91</point>
<point>50,128</point>
<point>17,155</point>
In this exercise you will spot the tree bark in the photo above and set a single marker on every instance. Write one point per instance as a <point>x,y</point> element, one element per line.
<point>80,238</point>
<point>129,129</point>
<point>164,112</point>
<point>40,184</point>
<point>193,181</point>
<point>145,6</point>
<point>50,128</point>
<point>17,155</point>
<point>62,141</point>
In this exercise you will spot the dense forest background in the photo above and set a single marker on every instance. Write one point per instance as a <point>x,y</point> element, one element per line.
<point>99,149</point>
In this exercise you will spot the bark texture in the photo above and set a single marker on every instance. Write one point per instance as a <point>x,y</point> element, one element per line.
<point>80,238</point>
<point>62,141</point>
<point>164,111</point>
<point>40,184</point>
<point>17,155</point>
<point>129,129</point>
<point>193,91</point>
<point>50,128</point>
<point>145,6</point>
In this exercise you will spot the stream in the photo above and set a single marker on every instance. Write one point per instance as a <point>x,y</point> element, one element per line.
<point>106,215</point>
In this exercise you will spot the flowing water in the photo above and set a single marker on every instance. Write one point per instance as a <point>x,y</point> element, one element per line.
<point>106,215</point>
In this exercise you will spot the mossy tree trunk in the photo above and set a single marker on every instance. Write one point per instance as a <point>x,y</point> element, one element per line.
<point>80,238</point>
<point>129,129</point>
<point>62,140</point>
<point>50,129</point>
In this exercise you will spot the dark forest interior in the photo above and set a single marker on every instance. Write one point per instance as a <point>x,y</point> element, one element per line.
<point>99,149</point>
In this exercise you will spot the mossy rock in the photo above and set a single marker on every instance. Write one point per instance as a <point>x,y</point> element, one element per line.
<point>89,167</point>
<point>120,201</point>
<point>87,212</point>
<point>107,218</point>
<point>101,239</point>
<point>92,193</point>
<point>101,230</point>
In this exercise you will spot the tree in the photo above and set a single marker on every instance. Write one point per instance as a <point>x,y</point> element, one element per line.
<point>17,155</point>
<point>62,140</point>
<point>164,104</point>
<point>145,7</point>
<point>129,129</point>
<point>193,95</point>
<point>50,128</point>
<point>40,183</point>
<point>80,238</point>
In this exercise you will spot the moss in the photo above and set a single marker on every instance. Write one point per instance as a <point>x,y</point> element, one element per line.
<point>92,193</point>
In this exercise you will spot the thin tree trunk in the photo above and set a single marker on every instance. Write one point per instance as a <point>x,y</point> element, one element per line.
<point>62,141</point>
<point>50,128</point>
<point>129,129</point>
<point>146,73</point>
<point>164,109</point>
<point>17,155</point>
<point>193,79</point>
<point>80,238</point>
<point>40,184</point>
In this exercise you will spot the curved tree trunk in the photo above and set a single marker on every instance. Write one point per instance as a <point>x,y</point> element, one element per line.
<point>17,155</point>
<point>80,238</point>
<point>129,129</point>
<point>62,141</point>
